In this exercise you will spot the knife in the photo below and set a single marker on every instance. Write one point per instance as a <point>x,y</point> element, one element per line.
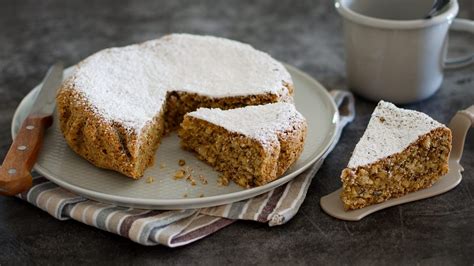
<point>15,172</point>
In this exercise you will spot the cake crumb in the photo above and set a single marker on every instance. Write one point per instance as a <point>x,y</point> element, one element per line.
<point>179,174</point>
<point>162,165</point>
<point>202,195</point>
<point>188,173</point>
<point>191,180</point>
<point>223,181</point>
<point>150,179</point>
<point>203,179</point>
<point>181,162</point>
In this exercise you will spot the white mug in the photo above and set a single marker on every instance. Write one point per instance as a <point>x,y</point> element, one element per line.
<point>392,53</point>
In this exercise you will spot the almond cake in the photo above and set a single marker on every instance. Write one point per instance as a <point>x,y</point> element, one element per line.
<point>120,102</point>
<point>401,151</point>
<point>252,145</point>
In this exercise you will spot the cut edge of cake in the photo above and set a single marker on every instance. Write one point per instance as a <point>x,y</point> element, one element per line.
<point>251,146</point>
<point>401,151</point>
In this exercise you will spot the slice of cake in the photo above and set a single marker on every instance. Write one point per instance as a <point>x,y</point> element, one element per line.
<point>252,145</point>
<point>401,151</point>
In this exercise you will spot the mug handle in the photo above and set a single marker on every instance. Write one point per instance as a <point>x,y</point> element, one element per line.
<point>461,25</point>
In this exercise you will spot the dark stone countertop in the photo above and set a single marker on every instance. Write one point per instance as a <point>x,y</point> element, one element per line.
<point>306,34</point>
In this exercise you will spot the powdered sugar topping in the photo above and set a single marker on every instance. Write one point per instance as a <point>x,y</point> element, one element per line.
<point>390,130</point>
<point>260,122</point>
<point>129,84</point>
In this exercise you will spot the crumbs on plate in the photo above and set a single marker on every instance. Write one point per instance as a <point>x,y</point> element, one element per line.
<point>222,181</point>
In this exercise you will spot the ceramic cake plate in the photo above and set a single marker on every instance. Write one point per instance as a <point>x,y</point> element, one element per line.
<point>459,126</point>
<point>61,165</point>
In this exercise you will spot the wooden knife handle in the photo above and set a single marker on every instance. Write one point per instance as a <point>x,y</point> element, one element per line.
<point>15,172</point>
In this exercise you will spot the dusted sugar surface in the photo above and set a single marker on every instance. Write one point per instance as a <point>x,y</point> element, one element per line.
<point>260,122</point>
<point>129,84</point>
<point>390,130</point>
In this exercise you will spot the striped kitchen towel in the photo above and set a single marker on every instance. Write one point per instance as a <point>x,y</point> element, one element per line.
<point>179,227</point>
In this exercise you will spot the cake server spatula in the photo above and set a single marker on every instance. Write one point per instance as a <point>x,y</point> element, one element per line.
<point>15,175</point>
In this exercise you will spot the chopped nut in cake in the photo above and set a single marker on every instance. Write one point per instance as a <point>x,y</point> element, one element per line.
<point>223,181</point>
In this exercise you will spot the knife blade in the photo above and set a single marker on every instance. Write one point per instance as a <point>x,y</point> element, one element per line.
<point>45,101</point>
<point>15,172</point>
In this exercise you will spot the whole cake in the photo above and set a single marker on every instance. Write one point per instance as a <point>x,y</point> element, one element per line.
<point>119,102</point>
<point>401,151</point>
<point>251,145</point>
